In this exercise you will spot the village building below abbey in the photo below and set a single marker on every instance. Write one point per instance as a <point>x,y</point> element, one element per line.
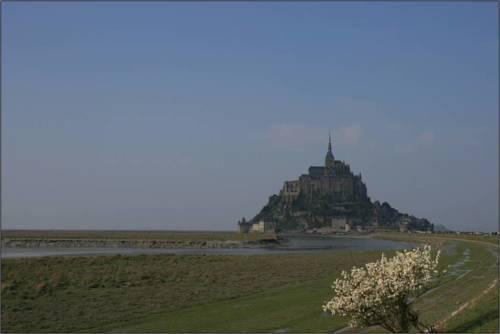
<point>329,198</point>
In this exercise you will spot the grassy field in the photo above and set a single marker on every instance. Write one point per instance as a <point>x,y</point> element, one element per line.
<point>55,294</point>
<point>438,238</point>
<point>190,293</point>
<point>134,235</point>
<point>295,309</point>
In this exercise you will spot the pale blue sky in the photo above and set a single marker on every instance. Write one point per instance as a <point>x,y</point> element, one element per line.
<point>189,116</point>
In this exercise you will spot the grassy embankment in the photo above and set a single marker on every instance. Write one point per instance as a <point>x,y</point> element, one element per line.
<point>467,299</point>
<point>435,238</point>
<point>225,293</point>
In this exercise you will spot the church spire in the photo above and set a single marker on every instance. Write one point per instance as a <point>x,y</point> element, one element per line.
<point>329,141</point>
<point>329,159</point>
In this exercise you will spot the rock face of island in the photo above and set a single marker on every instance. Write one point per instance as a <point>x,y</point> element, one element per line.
<point>330,197</point>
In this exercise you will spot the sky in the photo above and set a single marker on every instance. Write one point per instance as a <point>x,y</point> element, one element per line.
<point>128,115</point>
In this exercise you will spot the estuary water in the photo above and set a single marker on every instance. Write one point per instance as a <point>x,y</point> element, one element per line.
<point>290,246</point>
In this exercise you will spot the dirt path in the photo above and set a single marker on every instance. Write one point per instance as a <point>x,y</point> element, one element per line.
<point>442,324</point>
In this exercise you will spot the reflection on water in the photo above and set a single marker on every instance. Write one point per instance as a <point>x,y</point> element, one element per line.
<point>292,245</point>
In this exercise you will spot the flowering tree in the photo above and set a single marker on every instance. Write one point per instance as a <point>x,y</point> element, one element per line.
<point>378,293</point>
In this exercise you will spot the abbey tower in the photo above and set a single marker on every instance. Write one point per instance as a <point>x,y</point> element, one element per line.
<point>334,178</point>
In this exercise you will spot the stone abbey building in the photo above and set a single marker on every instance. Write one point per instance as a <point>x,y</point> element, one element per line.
<point>334,178</point>
<point>329,197</point>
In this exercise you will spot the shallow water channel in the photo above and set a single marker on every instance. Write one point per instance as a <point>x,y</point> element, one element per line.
<point>289,245</point>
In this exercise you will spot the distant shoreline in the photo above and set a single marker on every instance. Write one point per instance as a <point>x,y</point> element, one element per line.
<point>128,243</point>
<point>154,239</point>
<point>43,230</point>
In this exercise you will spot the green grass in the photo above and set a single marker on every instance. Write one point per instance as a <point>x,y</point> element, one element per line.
<point>289,308</point>
<point>481,319</point>
<point>439,237</point>
<point>469,281</point>
<point>296,309</point>
<point>133,235</point>
<point>63,294</point>
<point>195,293</point>
<point>493,239</point>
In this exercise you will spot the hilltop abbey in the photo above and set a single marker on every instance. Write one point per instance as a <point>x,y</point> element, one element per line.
<point>328,198</point>
<point>334,178</point>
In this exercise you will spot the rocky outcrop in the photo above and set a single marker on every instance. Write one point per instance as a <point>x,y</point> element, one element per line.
<point>328,193</point>
<point>297,215</point>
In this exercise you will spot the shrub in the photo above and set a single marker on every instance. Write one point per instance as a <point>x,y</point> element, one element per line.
<point>378,293</point>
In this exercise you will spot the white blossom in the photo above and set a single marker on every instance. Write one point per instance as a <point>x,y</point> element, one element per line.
<point>377,294</point>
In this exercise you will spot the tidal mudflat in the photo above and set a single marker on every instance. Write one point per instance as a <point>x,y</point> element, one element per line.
<point>284,246</point>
